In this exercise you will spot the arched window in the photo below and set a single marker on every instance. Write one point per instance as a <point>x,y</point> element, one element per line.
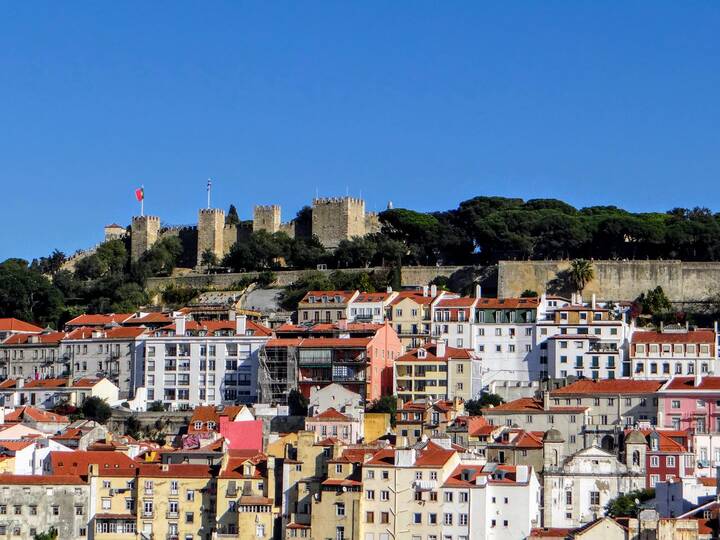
<point>636,457</point>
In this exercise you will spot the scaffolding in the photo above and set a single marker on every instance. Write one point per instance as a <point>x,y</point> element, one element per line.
<point>278,373</point>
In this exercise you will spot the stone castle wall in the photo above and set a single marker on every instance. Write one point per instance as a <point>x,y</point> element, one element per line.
<point>211,228</point>
<point>338,218</point>
<point>614,280</point>
<point>144,233</point>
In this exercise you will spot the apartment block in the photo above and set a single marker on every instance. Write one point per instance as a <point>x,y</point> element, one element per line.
<point>673,351</point>
<point>193,363</point>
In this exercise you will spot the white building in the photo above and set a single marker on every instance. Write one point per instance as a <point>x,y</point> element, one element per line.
<point>370,307</point>
<point>209,363</point>
<point>500,501</point>
<point>677,496</point>
<point>577,488</point>
<point>674,350</point>
<point>582,340</point>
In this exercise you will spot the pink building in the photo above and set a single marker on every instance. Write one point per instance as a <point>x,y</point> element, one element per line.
<point>690,403</point>
<point>331,423</point>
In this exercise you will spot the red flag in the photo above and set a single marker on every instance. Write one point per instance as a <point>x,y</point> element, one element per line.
<point>140,194</point>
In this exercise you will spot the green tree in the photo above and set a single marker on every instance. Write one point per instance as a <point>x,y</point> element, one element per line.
<point>51,534</point>
<point>654,301</point>
<point>474,406</point>
<point>178,296</point>
<point>384,404</point>
<point>156,406</point>
<point>51,264</point>
<point>581,273</point>
<point>627,505</point>
<point>208,259</point>
<point>297,403</point>
<point>27,294</point>
<point>232,217</point>
<point>528,293</point>
<point>95,408</point>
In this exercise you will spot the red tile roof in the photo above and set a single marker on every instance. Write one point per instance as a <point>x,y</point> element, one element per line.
<point>37,415</point>
<point>119,332</point>
<point>508,303</point>
<point>330,415</point>
<point>433,455</point>
<point>180,470</point>
<point>42,339</point>
<point>550,532</point>
<point>415,296</point>
<point>42,480</point>
<point>461,302</point>
<point>11,324</point>
<point>692,336</point>
<point>344,295</point>
<point>607,386</point>
<point>14,446</point>
<point>688,383</point>
<point>78,463</point>
<point>528,405</point>
<point>320,343</point>
<point>431,354</point>
<point>150,318</point>
<point>99,319</point>
<point>341,482</point>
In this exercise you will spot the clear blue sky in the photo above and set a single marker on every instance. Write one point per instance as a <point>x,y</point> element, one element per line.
<point>423,103</point>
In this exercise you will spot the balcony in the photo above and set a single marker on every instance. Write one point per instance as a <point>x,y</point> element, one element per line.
<point>603,347</point>
<point>424,485</point>
<point>172,515</point>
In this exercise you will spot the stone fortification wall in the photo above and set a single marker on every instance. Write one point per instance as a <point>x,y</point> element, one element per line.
<point>338,218</point>
<point>144,233</point>
<point>614,280</point>
<point>211,228</point>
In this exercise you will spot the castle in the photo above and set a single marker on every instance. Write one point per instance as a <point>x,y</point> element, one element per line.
<point>333,220</point>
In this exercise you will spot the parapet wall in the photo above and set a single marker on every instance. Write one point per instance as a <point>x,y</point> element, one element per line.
<point>614,280</point>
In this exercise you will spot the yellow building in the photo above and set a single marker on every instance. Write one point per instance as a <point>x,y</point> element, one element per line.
<point>436,371</point>
<point>175,501</point>
<point>376,425</point>
<point>246,506</point>
<point>305,466</point>
<point>423,417</point>
<point>409,314</point>
<point>337,511</point>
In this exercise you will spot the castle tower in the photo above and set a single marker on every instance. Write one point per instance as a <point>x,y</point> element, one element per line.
<point>338,218</point>
<point>267,218</point>
<point>211,225</point>
<point>144,232</point>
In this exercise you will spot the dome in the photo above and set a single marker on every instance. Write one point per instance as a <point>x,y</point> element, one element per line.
<point>553,435</point>
<point>635,438</point>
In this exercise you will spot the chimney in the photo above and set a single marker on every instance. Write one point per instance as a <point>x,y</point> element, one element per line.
<point>19,382</point>
<point>478,290</point>
<point>426,291</point>
<point>232,314</point>
<point>593,301</point>
<point>2,414</point>
<point>481,480</point>
<point>440,349</point>
<point>389,289</point>
<point>180,325</point>
<point>698,375</point>
<point>405,457</point>
<point>433,290</point>
<point>546,400</point>
<point>522,474</point>
<point>240,325</point>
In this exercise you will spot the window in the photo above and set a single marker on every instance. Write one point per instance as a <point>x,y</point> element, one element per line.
<point>448,496</point>
<point>369,517</point>
<point>370,494</point>
<point>417,518</point>
<point>384,517</point>
<point>340,509</point>
<point>568,497</point>
<point>595,498</point>
<point>670,461</point>
<point>432,519</point>
<point>675,404</point>
<point>447,519</point>
<point>654,461</point>
<point>384,495</point>
<point>463,497</point>
<point>463,519</point>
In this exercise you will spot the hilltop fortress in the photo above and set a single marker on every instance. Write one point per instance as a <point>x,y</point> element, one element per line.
<point>333,220</point>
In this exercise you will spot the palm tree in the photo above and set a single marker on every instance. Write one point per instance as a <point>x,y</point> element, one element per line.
<point>581,273</point>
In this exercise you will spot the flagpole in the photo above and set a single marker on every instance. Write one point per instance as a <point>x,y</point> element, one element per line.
<point>208,192</point>
<point>142,201</point>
